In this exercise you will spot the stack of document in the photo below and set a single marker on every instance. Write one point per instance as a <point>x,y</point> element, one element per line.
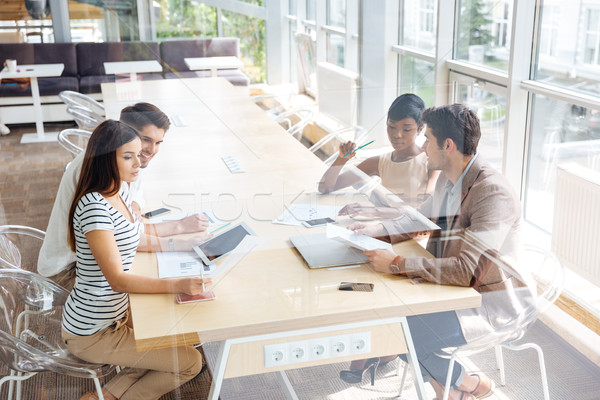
<point>361,242</point>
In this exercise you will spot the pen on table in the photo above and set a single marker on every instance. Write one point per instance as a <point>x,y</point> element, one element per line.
<point>222,226</point>
<point>358,148</point>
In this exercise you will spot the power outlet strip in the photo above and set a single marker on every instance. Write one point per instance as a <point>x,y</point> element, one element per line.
<point>317,349</point>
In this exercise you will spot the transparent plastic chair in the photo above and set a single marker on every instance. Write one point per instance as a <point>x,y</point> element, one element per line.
<point>74,140</point>
<point>76,99</point>
<point>548,279</point>
<point>84,118</point>
<point>20,247</point>
<point>30,331</point>
<point>295,120</point>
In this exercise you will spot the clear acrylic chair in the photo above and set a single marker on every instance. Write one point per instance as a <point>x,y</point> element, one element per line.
<point>295,120</point>
<point>20,247</point>
<point>548,278</point>
<point>84,118</point>
<point>30,332</point>
<point>76,99</point>
<point>74,140</point>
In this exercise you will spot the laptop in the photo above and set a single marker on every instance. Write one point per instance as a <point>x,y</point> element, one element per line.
<point>320,252</point>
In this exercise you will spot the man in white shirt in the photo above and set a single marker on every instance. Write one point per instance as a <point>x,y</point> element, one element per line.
<point>57,261</point>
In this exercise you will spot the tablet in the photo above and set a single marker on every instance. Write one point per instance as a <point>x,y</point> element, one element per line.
<point>219,246</point>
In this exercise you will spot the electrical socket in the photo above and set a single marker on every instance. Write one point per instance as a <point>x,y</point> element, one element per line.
<point>360,342</point>
<point>276,354</point>
<point>339,345</point>
<point>298,352</point>
<point>318,349</point>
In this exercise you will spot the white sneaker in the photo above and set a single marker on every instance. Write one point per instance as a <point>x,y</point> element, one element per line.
<point>4,130</point>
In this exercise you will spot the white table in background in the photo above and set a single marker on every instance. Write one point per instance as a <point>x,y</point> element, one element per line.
<point>132,67</point>
<point>213,63</point>
<point>33,72</point>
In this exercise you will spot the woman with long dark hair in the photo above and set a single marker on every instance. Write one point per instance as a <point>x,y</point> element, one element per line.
<point>104,233</point>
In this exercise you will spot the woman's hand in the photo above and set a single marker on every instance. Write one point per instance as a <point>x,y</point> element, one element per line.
<point>346,148</point>
<point>355,209</point>
<point>193,223</point>
<point>192,286</point>
<point>381,260</point>
<point>188,244</point>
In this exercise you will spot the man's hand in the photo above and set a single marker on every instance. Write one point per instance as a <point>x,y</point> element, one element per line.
<point>361,228</point>
<point>137,210</point>
<point>193,223</point>
<point>381,260</point>
<point>355,209</point>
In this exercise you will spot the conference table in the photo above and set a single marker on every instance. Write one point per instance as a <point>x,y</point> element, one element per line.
<point>270,300</point>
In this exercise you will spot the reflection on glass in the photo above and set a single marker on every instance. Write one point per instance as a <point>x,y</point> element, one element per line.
<point>335,49</point>
<point>420,35</point>
<point>185,19</point>
<point>336,13</point>
<point>87,23</point>
<point>560,133</point>
<point>24,30</point>
<point>252,47</point>
<point>491,110</point>
<point>484,32</point>
<point>416,76</point>
<point>569,46</point>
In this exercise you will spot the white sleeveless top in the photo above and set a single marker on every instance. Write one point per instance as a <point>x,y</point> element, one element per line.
<point>406,179</point>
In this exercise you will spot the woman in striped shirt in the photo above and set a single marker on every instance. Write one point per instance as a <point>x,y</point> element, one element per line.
<point>104,234</point>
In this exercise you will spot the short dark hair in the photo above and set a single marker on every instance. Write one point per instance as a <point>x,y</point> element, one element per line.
<point>141,115</point>
<point>407,105</point>
<point>100,171</point>
<point>456,122</point>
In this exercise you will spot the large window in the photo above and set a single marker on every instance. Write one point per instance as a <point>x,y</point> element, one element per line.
<point>592,36</point>
<point>185,19</point>
<point>483,34</point>
<point>336,41</point>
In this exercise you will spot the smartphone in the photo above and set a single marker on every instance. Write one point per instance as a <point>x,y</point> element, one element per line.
<point>204,296</point>
<point>318,222</point>
<point>356,286</point>
<point>155,213</point>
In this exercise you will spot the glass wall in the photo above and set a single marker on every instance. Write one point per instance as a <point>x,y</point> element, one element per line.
<point>336,41</point>
<point>187,19</point>
<point>483,34</point>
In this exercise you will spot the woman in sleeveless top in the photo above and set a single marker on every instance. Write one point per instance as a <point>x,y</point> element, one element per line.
<point>403,172</point>
<point>104,234</point>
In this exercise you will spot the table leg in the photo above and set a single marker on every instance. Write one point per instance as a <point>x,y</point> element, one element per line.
<point>413,362</point>
<point>286,385</point>
<point>219,373</point>
<point>213,72</point>
<point>133,77</point>
<point>39,136</point>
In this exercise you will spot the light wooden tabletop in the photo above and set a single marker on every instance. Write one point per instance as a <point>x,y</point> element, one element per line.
<point>272,289</point>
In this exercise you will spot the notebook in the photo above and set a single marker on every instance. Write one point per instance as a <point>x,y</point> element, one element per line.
<point>320,252</point>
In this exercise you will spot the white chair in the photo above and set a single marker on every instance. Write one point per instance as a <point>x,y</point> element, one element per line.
<point>549,275</point>
<point>20,247</point>
<point>30,332</point>
<point>84,118</point>
<point>294,121</point>
<point>74,140</point>
<point>76,99</point>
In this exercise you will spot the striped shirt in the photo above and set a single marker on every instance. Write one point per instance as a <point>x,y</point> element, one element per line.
<point>92,304</point>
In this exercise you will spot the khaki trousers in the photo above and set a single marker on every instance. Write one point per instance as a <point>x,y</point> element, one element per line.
<point>147,375</point>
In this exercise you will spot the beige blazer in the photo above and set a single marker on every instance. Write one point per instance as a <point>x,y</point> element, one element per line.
<point>488,222</point>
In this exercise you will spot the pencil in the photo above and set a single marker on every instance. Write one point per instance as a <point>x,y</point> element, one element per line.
<point>358,148</point>
<point>222,226</point>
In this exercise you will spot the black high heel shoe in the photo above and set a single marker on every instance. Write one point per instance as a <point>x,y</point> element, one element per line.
<point>356,375</point>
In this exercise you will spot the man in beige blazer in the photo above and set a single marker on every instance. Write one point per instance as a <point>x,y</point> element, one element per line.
<point>480,216</point>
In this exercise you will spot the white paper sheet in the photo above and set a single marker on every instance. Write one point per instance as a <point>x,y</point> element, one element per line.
<point>177,264</point>
<point>298,213</point>
<point>361,242</point>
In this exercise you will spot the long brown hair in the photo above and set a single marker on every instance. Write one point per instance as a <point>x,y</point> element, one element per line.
<point>99,171</point>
